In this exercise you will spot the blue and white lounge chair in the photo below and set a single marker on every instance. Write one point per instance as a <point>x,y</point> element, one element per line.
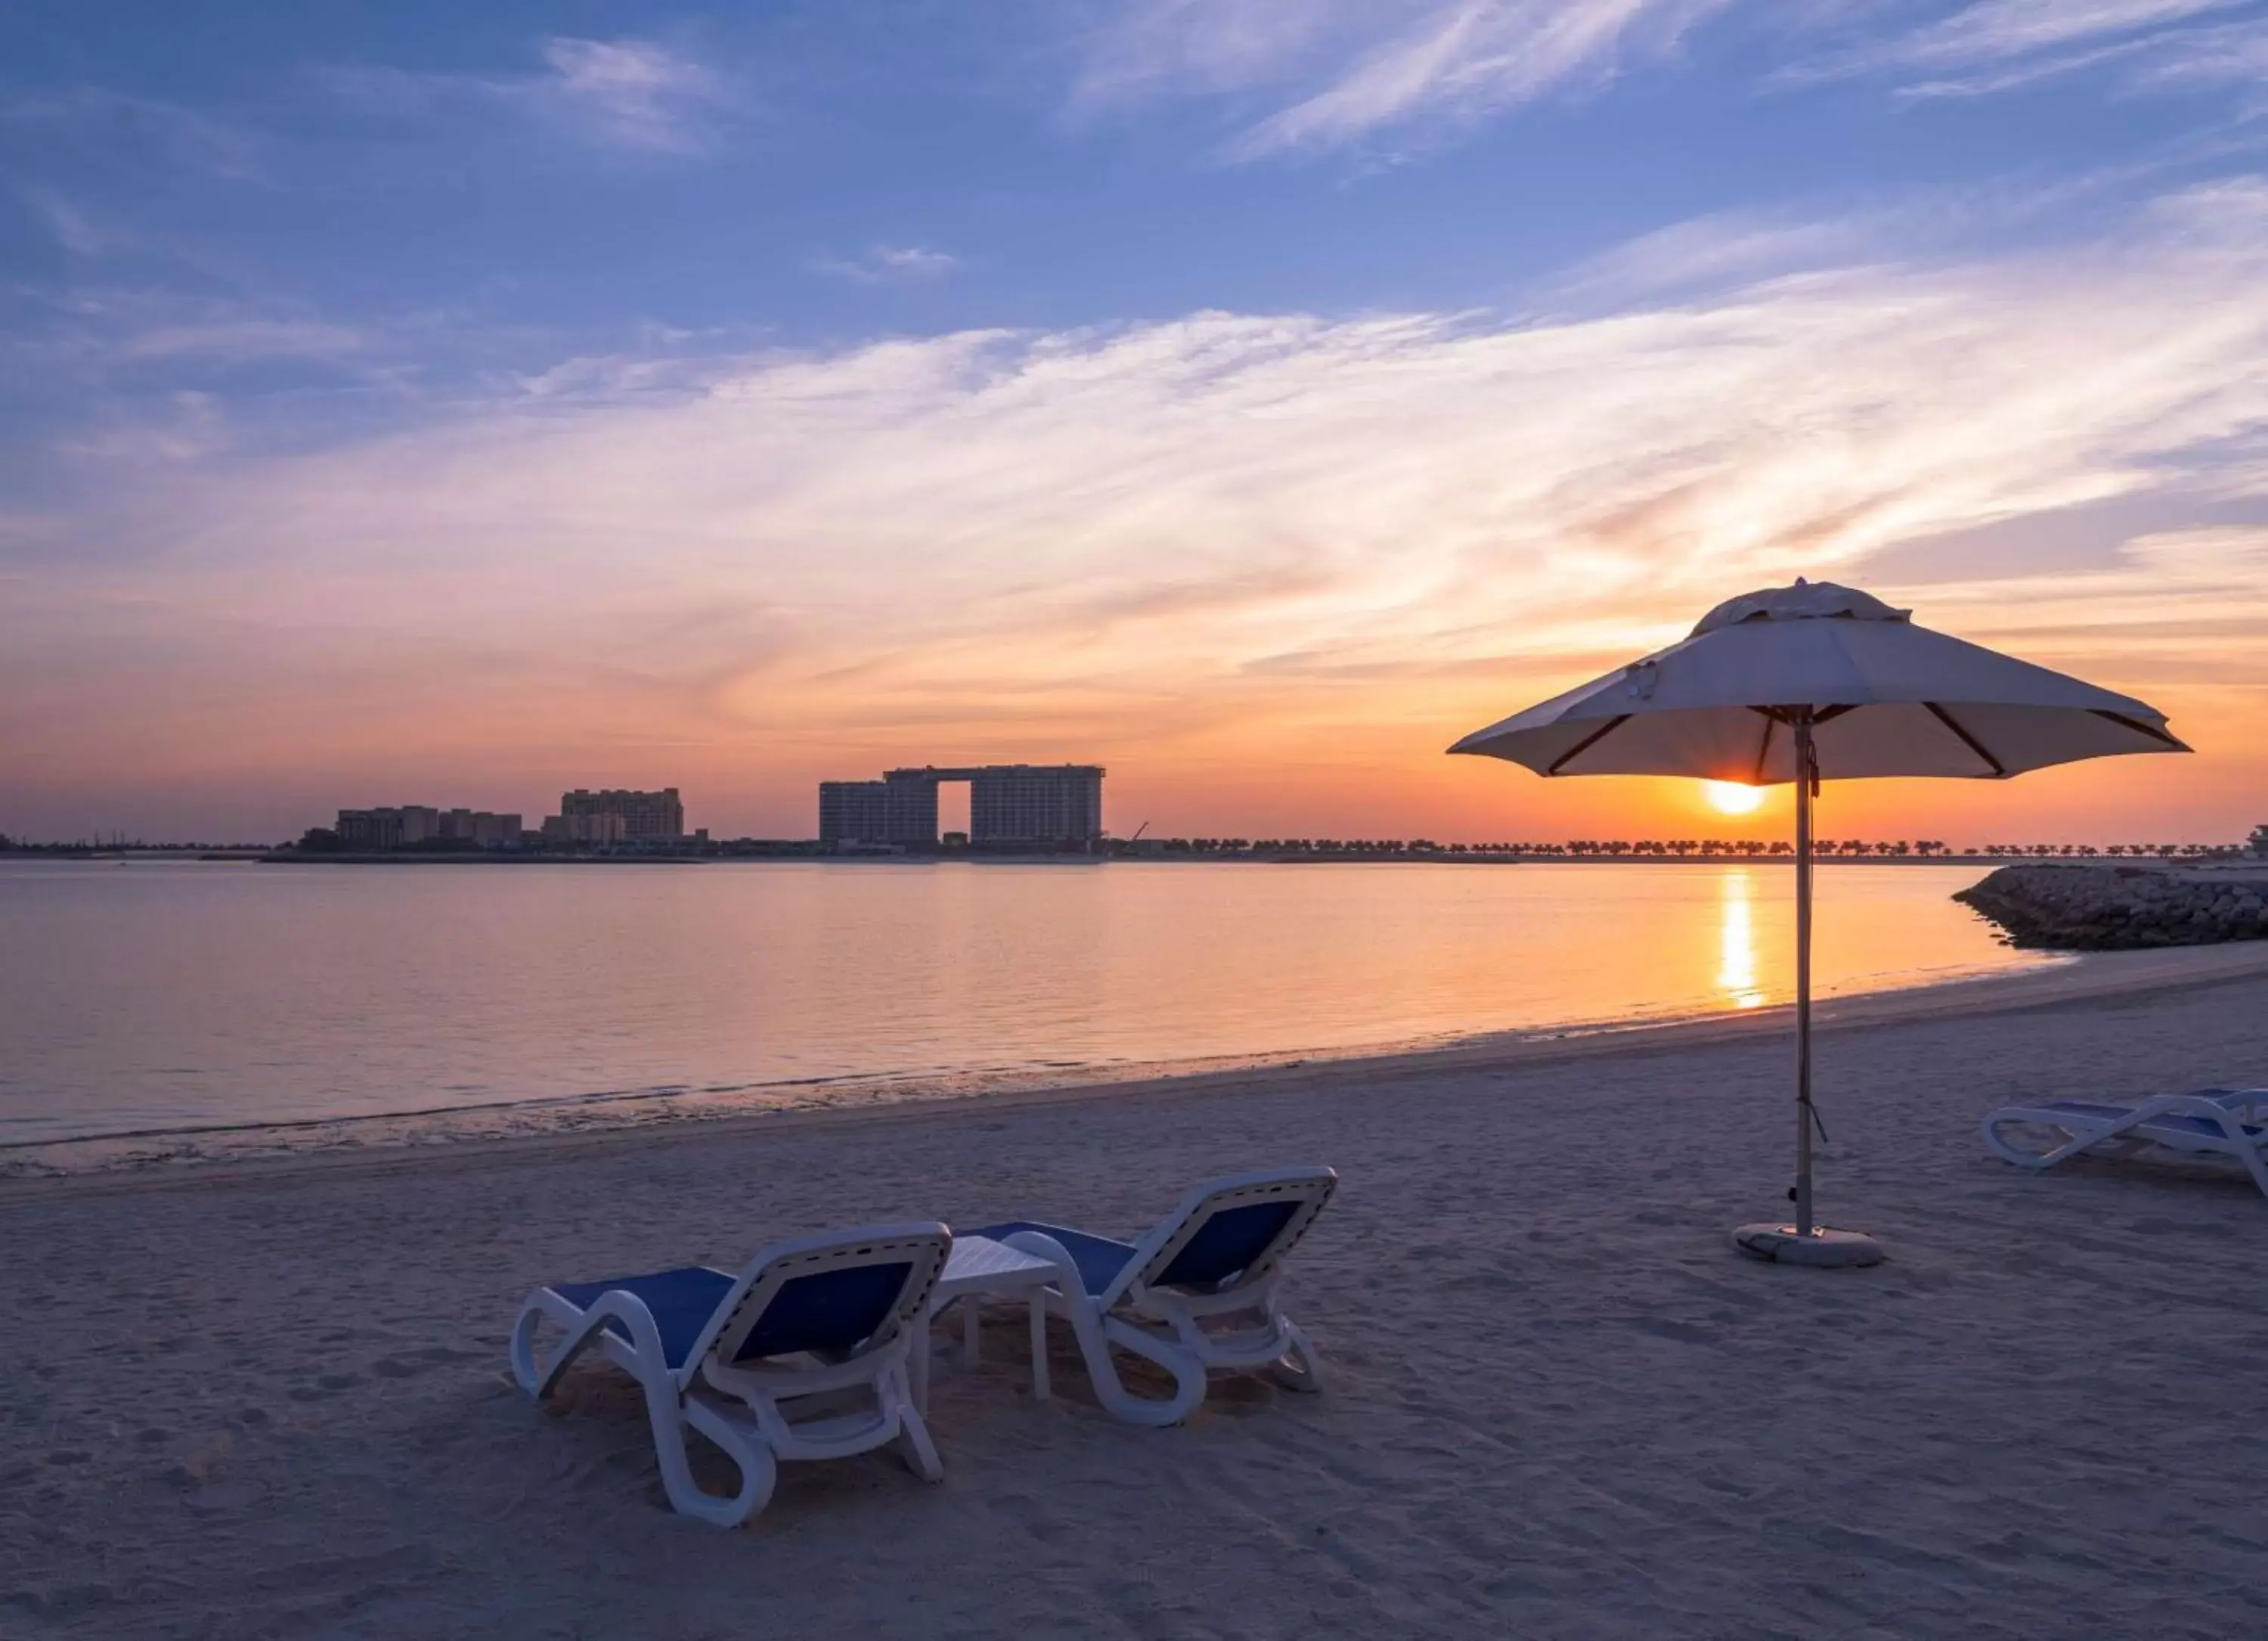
<point>2212,1122</point>
<point>825,1316</point>
<point>1208,1273</point>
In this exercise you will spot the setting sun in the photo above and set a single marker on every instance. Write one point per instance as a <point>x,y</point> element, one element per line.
<point>1732,797</point>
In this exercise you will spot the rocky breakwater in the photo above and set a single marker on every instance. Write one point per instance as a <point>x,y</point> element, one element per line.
<point>2117,908</point>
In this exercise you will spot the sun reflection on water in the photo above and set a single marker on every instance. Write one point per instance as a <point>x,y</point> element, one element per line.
<point>1736,940</point>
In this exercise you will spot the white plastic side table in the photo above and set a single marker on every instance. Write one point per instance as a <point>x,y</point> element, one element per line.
<point>979,1269</point>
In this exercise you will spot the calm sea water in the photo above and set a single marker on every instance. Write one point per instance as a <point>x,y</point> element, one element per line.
<point>179,995</point>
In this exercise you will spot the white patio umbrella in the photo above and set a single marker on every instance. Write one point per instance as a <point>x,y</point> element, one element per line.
<point>1808,683</point>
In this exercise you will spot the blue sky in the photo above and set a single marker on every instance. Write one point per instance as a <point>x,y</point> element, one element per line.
<point>470,401</point>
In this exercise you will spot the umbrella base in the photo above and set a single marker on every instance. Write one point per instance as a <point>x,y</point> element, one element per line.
<point>1781,1245</point>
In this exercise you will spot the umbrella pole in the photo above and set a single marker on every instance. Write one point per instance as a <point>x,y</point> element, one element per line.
<point>1804,774</point>
<point>1804,1242</point>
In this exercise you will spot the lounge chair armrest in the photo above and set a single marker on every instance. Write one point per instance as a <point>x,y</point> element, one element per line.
<point>2229,1118</point>
<point>1040,1245</point>
<point>584,1328</point>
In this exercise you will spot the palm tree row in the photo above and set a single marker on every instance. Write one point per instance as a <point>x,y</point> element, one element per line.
<point>1706,848</point>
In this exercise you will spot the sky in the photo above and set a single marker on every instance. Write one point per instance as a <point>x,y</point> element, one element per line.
<point>424,403</point>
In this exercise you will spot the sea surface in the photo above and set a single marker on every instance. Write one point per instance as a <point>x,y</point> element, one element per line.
<point>139,996</point>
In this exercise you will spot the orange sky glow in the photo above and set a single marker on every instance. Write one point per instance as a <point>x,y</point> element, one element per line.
<point>1265,568</point>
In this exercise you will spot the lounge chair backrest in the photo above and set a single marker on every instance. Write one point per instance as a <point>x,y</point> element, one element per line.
<point>1228,1233</point>
<point>838,1294</point>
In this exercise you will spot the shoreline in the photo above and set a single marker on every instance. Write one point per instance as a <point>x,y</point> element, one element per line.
<point>415,1140</point>
<point>801,855</point>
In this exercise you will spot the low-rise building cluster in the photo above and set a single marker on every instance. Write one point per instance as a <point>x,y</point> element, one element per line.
<point>412,824</point>
<point>609,820</point>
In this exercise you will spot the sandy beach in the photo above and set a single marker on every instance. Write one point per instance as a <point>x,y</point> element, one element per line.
<point>271,1400</point>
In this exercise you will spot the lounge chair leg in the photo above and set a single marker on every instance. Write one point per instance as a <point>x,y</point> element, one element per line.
<point>532,1375</point>
<point>915,1445</point>
<point>1097,1334</point>
<point>917,1363</point>
<point>2246,1148</point>
<point>1299,1368</point>
<point>759,1469</point>
<point>526,1371</point>
<point>893,1391</point>
<point>2078,1140</point>
<point>1095,1342</point>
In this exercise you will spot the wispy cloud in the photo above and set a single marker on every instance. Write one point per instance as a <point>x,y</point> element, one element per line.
<point>636,95</point>
<point>118,341</point>
<point>2236,54</point>
<point>1313,75</point>
<point>1901,227</point>
<point>1341,74</point>
<point>1717,252</point>
<point>2027,70</point>
<point>241,339</point>
<point>1989,47</point>
<point>633,92</point>
<point>73,227</point>
<point>1996,30</point>
<point>167,132</point>
<point>888,264</point>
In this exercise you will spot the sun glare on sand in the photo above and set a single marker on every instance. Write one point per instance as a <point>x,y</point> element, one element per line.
<point>1731,797</point>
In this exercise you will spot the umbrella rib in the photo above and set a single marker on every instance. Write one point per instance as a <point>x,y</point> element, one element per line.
<point>1967,739</point>
<point>1783,714</point>
<point>2139,727</point>
<point>1587,743</point>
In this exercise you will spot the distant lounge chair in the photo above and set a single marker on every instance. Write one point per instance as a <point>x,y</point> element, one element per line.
<point>727,1355</point>
<point>2215,1122</point>
<point>1215,1259</point>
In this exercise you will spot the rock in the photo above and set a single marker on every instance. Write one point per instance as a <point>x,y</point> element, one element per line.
<point>2109,908</point>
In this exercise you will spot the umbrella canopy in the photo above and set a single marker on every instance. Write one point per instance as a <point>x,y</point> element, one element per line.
<point>1886,697</point>
<point>1819,682</point>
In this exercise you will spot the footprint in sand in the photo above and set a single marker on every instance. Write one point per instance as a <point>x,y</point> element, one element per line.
<point>204,1462</point>
<point>326,1385</point>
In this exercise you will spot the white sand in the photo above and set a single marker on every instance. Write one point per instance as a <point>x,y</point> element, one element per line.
<point>273,1401</point>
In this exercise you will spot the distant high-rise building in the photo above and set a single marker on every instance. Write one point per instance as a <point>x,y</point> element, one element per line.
<point>909,808</point>
<point>853,811</point>
<point>646,817</point>
<point>369,829</point>
<point>1043,806</point>
<point>600,829</point>
<point>480,827</point>
<point>1049,805</point>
